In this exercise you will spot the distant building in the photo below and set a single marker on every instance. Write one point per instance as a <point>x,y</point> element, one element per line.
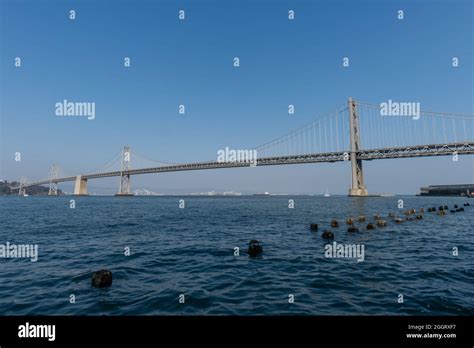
<point>448,190</point>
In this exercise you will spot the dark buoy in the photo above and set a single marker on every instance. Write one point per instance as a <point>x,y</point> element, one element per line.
<point>452,211</point>
<point>459,209</point>
<point>313,227</point>
<point>352,229</point>
<point>254,248</point>
<point>334,223</point>
<point>381,223</point>
<point>370,227</point>
<point>419,217</point>
<point>466,204</point>
<point>456,206</point>
<point>328,235</point>
<point>102,279</point>
<point>445,207</point>
<point>440,208</point>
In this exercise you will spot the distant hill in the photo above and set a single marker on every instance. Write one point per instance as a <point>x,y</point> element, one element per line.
<point>6,188</point>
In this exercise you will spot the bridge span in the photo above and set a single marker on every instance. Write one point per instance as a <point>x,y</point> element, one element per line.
<point>310,144</point>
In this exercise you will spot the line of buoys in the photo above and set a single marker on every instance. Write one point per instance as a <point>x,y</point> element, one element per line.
<point>102,279</point>
<point>327,234</point>
<point>255,248</point>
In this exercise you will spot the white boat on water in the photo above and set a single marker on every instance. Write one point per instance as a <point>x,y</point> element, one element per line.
<point>327,194</point>
<point>25,195</point>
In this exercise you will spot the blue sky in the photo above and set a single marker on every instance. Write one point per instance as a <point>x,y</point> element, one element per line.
<point>191,62</point>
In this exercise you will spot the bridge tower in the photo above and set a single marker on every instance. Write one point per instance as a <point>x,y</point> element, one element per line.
<point>22,189</point>
<point>358,187</point>
<point>53,185</point>
<point>125,185</point>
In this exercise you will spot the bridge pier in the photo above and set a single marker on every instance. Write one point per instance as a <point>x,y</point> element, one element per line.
<point>358,188</point>
<point>80,186</point>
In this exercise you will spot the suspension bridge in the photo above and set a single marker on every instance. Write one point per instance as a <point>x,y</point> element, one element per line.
<point>355,132</point>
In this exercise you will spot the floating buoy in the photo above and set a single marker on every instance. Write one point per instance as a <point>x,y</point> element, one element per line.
<point>361,218</point>
<point>102,279</point>
<point>313,227</point>
<point>456,206</point>
<point>459,209</point>
<point>334,223</point>
<point>440,208</point>
<point>327,235</point>
<point>349,221</point>
<point>466,204</point>
<point>419,217</point>
<point>381,223</point>
<point>254,248</point>
<point>398,220</point>
<point>452,211</point>
<point>370,227</point>
<point>352,229</point>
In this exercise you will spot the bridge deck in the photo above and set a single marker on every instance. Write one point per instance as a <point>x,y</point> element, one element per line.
<point>465,148</point>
